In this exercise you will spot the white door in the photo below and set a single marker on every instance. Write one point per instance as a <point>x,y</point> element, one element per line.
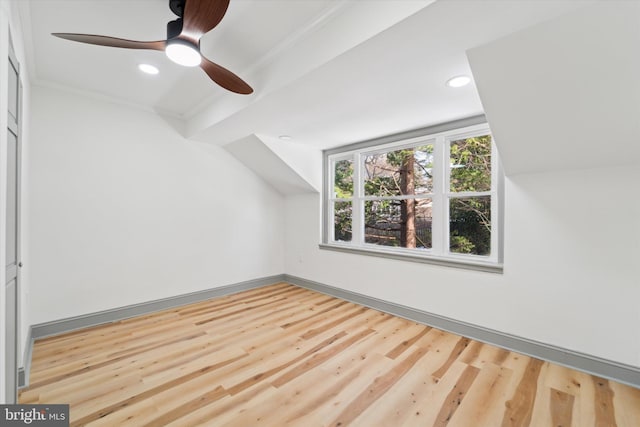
<point>12,233</point>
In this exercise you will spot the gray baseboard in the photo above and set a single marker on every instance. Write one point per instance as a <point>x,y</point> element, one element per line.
<point>70,324</point>
<point>93,319</point>
<point>23,371</point>
<point>620,372</point>
<point>22,381</point>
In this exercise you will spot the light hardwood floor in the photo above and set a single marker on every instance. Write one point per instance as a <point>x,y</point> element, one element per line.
<point>286,356</point>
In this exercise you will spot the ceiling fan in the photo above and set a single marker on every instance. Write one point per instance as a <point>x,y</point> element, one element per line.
<point>195,18</point>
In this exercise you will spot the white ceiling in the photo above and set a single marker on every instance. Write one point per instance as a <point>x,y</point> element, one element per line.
<point>249,30</point>
<point>326,72</point>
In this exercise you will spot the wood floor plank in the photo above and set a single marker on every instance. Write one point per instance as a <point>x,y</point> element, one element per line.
<point>484,401</point>
<point>202,400</point>
<point>282,355</point>
<point>456,396</point>
<point>404,345</point>
<point>347,380</point>
<point>563,379</point>
<point>319,358</point>
<point>561,408</point>
<point>472,352</point>
<point>431,398</point>
<point>455,353</point>
<point>135,350</point>
<point>520,406</point>
<point>585,411</point>
<point>225,409</point>
<point>149,392</point>
<point>605,411</point>
<point>378,387</point>
<point>540,412</point>
<point>405,399</point>
<point>626,405</point>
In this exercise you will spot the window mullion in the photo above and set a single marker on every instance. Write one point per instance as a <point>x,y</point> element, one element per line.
<point>438,217</point>
<point>496,200</point>
<point>329,194</point>
<point>358,203</point>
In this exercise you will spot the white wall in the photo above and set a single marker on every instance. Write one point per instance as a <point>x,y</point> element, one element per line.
<point>571,265</point>
<point>124,210</point>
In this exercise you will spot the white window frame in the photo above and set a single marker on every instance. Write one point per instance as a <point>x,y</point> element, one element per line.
<point>439,253</point>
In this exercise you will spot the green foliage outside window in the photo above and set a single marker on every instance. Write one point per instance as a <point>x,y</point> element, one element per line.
<point>471,164</point>
<point>406,222</point>
<point>343,189</point>
<point>343,181</point>
<point>470,218</point>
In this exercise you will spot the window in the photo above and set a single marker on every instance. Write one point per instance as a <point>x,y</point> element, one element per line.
<point>432,196</point>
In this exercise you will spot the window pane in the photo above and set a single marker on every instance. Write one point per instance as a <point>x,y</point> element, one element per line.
<point>470,161</point>
<point>343,179</point>
<point>400,172</point>
<point>470,225</point>
<point>342,220</point>
<point>400,223</point>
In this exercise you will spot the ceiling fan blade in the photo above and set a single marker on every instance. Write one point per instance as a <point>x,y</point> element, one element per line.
<point>112,41</point>
<point>201,16</point>
<point>225,78</point>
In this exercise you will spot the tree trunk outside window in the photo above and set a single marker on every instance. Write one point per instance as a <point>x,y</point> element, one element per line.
<point>408,206</point>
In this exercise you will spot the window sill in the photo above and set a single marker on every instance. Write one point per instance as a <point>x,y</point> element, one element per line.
<point>463,263</point>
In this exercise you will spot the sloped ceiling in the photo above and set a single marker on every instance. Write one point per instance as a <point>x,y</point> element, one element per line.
<point>391,82</point>
<point>565,94</point>
<point>326,72</point>
<point>269,165</point>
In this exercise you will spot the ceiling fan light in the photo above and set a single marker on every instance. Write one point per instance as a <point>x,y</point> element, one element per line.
<point>183,53</point>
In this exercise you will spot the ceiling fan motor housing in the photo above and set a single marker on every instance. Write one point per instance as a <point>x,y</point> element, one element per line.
<point>174,28</point>
<point>177,7</point>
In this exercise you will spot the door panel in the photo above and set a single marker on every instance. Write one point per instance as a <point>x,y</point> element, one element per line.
<point>12,236</point>
<point>12,192</point>
<point>13,93</point>
<point>11,283</point>
<point>11,361</point>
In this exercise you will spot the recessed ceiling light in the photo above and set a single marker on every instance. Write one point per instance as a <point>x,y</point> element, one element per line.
<point>285,137</point>
<point>149,69</point>
<point>458,81</point>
